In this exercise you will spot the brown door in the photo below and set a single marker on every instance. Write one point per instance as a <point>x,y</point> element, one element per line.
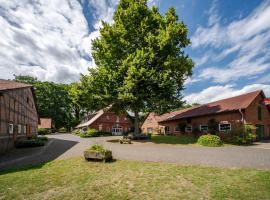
<point>29,130</point>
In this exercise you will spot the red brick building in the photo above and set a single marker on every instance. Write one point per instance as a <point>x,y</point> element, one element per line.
<point>106,121</point>
<point>229,113</point>
<point>18,113</point>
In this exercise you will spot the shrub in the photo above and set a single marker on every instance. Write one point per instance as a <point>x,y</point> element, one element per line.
<point>34,142</point>
<point>209,140</point>
<point>212,126</point>
<point>62,130</point>
<point>43,131</point>
<point>94,133</point>
<point>89,133</point>
<point>241,135</point>
<point>43,138</point>
<point>77,132</point>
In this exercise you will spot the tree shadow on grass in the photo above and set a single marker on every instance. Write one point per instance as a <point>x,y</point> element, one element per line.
<point>35,159</point>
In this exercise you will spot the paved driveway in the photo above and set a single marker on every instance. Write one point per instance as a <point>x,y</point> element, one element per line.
<point>65,146</point>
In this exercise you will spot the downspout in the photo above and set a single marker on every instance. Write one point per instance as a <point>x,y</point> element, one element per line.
<point>242,116</point>
<point>242,120</point>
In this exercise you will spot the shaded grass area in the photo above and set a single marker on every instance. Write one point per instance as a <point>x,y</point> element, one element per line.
<point>163,139</point>
<point>78,179</point>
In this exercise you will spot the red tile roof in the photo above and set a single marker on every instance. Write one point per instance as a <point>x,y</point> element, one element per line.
<point>45,123</point>
<point>224,105</point>
<point>9,85</point>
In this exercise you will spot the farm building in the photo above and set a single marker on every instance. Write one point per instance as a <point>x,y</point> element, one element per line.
<point>107,121</point>
<point>18,113</point>
<point>250,108</point>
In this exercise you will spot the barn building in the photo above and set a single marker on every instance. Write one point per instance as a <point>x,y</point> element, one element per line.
<point>250,108</point>
<point>18,113</point>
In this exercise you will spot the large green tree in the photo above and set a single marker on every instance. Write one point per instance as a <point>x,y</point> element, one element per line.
<point>141,65</point>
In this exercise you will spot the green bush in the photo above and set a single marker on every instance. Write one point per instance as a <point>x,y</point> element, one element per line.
<point>77,132</point>
<point>33,142</point>
<point>241,135</point>
<point>43,131</point>
<point>89,133</point>
<point>43,138</point>
<point>93,133</point>
<point>62,130</point>
<point>209,140</point>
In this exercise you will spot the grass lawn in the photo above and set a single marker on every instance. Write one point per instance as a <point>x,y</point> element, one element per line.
<point>163,139</point>
<point>78,179</point>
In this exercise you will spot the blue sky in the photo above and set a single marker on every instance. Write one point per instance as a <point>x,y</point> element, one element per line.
<point>52,41</point>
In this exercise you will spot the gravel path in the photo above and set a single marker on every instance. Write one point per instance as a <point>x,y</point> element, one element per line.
<point>65,146</point>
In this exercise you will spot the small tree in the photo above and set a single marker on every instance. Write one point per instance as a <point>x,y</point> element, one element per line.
<point>141,65</point>
<point>212,126</point>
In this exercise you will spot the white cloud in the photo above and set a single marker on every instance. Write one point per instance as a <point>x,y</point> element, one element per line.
<point>248,38</point>
<point>48,39</point>
<point>215,93</point>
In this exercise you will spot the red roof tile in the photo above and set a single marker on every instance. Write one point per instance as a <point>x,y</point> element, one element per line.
<point>8,85</point>
<point>224,105</point>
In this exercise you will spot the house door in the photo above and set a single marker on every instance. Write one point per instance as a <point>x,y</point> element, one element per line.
<point>259,131</point>
<point>117,130</point>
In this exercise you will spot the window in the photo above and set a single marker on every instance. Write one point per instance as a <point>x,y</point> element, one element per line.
<point>177,128</point>
<point>167,129</point>
<point>24,129</point>
<point>225,127</point>
<point>100,127</point>
<point>117,118</point>
<point>108,117</point>
<point>149,130</point>
<point>188,128</point>
<point>19,129</point>
<point>203,127</point>
<point>259,113</point>
<point>125,119</point>
<point>10,128</point>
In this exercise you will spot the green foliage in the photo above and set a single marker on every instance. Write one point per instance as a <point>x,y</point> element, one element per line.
<point>62,130</point>
<point>241,135</point>
<point>141,64</point>
<point>209,140</point>
<point>77,132</point>
<point>93,133</point>
<point>33,142</point>
<point>43,138</point>
<point>56,101</point>
<point>43,131</point>
<point>98,148</point>
<point>212,126</point>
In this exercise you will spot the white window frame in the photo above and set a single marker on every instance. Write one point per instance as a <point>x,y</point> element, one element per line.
<point>11,128</point>
<point>24,129</point>
<point>203,125</point>
<point>225,124</point>
<point>100,127</point>
<point>150,128</point>
<point>186,129</point>
<point>117,119</point>
<point>19,129</point>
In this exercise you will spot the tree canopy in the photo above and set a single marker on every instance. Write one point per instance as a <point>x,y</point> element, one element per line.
<point>55,101</point>
<point>141,64</point>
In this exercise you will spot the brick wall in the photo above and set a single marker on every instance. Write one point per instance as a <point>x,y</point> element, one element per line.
<point>251,115</point>
<point>108,120</point>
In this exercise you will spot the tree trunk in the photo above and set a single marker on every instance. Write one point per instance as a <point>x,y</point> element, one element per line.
<point>136,123</point>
